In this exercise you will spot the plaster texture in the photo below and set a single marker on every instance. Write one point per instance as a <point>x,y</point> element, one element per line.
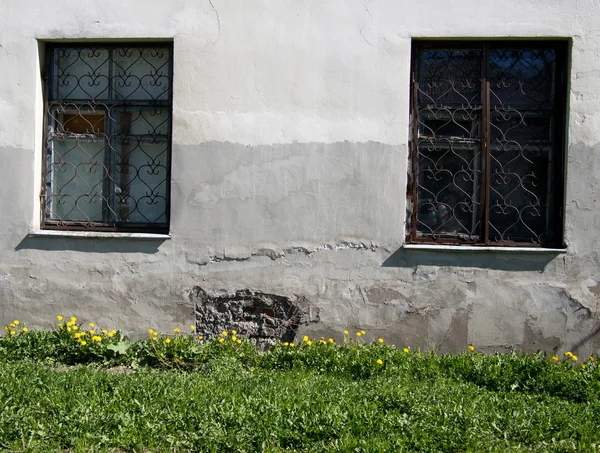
<point>289,175</point>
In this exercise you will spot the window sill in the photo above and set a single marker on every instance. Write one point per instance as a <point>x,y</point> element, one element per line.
<point>97,235</point>
<point>471,248</point>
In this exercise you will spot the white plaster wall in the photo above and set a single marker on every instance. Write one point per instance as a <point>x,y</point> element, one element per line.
<point>289,152</point>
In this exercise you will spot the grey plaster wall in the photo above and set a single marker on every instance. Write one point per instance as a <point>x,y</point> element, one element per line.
<point>289,176</point>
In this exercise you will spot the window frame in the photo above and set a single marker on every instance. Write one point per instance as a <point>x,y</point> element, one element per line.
<point>47,90</point>
<point>560,116</point>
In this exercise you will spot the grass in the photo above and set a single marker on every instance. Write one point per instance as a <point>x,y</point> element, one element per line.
<point>209,396</point>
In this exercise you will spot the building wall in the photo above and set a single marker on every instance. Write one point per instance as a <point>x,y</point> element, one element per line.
<point>289,175</point>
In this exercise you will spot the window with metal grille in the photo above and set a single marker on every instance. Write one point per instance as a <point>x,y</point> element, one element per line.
<point>487,143</point>
<point>107,146</point>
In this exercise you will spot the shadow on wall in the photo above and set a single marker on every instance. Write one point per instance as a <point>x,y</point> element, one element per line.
<point>90,245</point>
<point>484,259</point>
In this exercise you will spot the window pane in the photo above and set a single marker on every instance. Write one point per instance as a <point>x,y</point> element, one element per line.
<point>522,153</point>
<point>142,74</point>
<point>448,144</point>
<point>80,74</point>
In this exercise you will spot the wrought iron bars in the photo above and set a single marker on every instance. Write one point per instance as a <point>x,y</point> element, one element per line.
<point>487,144</point>
<point>108,138</point>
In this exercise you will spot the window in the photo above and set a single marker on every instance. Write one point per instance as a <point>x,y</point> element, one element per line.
<point>107,147</point>
<point>487,143</point>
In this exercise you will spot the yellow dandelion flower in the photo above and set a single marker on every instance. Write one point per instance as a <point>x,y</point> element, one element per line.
<point>68,329</point>
<point>12,332</point>
<point>575,358</point>
<point>592,359</point>
<point>168,340</point>
<point>363,332</point>
<point>380,362</point>
<point>192,327</point>
<point>321,341</point>
<point>239,341</point>
<point>73,319</point>
<point>92,331</point>
<point>25,329</point>
<point>60,324</point>
<point>83,343</point>
<point>234,332</point>
<point>345,332</point>
<point>233,338</point>
<point>583,366</point>
<point>150,331</point>
<point>330,340</point>
<point>358,334</point>
<point>200,337</point>
<point>221,340</point>
<point>16,322</point>
<point>155,334</point>
<point>154,338</point>
<point>305,338</point>
<point>59,317</point>
<point>104,331</point>
<point>286,344</point>
<point>291,345</point>
<point>471,348</point>
<point>224,333</point>
<point>568,353</point>
<point>309,342</point>
<point>406,349</point>
<point>555,358</point>
<point>75,327</point>
<point>380,340</point>
<point>111,333</point>
<point>96,338</point>
<point>12,326</point>
<point>92,324</point>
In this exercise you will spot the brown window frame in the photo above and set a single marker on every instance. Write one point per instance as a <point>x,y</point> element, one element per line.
<point>557,143</point>
<point>81,112</point>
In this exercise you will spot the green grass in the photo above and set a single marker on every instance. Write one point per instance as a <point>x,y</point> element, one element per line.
<point>186,394</point>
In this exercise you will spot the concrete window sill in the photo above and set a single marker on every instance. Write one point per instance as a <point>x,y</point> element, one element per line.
<point>471,248</point>
<point>97,235</point>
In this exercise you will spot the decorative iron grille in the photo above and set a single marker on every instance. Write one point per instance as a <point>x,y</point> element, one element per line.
<point>108,137</point>
<point>487,144</point>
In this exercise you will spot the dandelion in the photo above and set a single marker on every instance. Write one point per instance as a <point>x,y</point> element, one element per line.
<point>150,331</point>
<point>555,358</point>
<point>96,338</point>
<point>363,332</point>
<point>380,362</point>
<point>154,338</point>
<point>59,317</point>
<point>155,334</point>
<point>592,359</point>
<point>345,332</point>
<point>111,333</point>
<point>322,341</point>
<point>73,319</point>
<point>12,326</point>
<point>104,331</point>
<point>583,366</point>
<point>16,322</point>
<point>25,329</point>
<point>60,324</point>
<point>239,341</point>
<point>83,343</point>
<point>221,340</point>
<point>224,333</point>
<point>305,338</point>
<point>406,349</point>
<point>358,334</point>
<point>234,332</point>
<point>233,338</point>
<point>75,327</point>
<point>575,358</point>
<point>380,340</point>
<point>200,337</point>
<point>291,345</point>
<point>471,348</point>
<point>168,340</point>
<point>192,327</point>
<point>92,331</point>
<point>330,340</point>
<point>309,342</point>
<point>286,344</point>
<point>92,324</point>
<point>12,332</point>
<point>569,354</point>
<point>176,330</point>
<point>68,329</point>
